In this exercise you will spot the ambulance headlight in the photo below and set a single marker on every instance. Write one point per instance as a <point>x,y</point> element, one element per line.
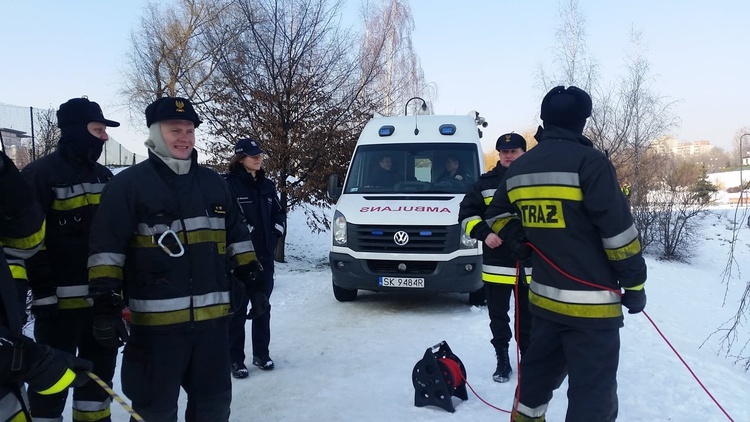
<point>467,242</point>
<point>339,229</point>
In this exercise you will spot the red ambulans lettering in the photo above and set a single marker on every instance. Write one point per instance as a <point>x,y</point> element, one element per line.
<point>405,208</point>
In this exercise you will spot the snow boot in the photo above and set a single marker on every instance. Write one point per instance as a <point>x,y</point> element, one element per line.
<point>239,370</point>
<point>503,370</point>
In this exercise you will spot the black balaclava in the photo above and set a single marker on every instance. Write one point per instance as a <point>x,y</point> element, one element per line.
<point>77,142</point>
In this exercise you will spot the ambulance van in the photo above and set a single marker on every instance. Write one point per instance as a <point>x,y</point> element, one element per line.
<point>395,225</point>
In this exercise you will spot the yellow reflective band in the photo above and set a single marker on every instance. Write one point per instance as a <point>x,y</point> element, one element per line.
<point>204,236</point>
<point>245,258</point>
<point>546,192</point>
<point>471,224</point>
<point>636,288</point>
<point>211,312</point>
<point>64,382</point>
<point>109,271</point>
<point>487,201</point>
<point>612,310</point>
<point>18,272</point>
<point>28,242</point>
<point>498,278</point>
<point>500,223</point>
<point>77,202</point>
<point>625,252</point>
<point>72,303</point>
<point>99,415</point>
<point>20,417</point>
<point>160,318</point>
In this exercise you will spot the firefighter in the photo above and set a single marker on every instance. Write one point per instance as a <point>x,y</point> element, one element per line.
<point>68,184</point>
<point>165,231</point>
<point>44,369</point>
<point>498,268</point>
<point>563,197</point>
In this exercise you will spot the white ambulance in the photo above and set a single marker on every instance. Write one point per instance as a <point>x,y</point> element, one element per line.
<point>395,225</point>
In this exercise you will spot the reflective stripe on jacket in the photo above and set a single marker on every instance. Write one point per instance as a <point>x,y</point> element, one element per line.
<point>566,196</point>
<point>166,240</point>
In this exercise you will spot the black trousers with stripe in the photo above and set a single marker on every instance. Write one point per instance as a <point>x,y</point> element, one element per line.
<point>72,331</point>
<point>155,365</point>
<point>589,358</point>
<point>498,307</point>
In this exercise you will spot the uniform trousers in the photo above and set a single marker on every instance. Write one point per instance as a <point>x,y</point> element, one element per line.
<point>72,331</point>
<point>498,308</point>
<point>588,357</point>
<point>156,364</point>
<point>261,325</point>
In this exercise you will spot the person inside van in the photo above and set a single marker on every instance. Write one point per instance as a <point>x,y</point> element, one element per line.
<point>384,175</point>
<point>453,171</point>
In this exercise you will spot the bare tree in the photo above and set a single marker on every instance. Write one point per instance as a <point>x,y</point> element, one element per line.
<point>570,56</point>
<point>389,51</point>
<point>294,80</point>
<point>46,133</point>
<point>167,55</point>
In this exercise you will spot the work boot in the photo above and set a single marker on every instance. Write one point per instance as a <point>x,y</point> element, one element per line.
<point>264,363</point>
<point>502,373</point>
<point>239,370</point>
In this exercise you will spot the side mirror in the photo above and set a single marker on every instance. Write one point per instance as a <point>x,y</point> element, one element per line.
<point>334,186</point>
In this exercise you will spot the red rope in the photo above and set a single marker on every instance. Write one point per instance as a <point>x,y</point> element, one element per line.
<point>644,313</point>
<point>454,370</point>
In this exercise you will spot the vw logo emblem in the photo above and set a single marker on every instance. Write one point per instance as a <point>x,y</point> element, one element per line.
<point>401,238</point>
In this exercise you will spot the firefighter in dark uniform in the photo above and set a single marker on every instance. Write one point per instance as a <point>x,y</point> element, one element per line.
<point>68,184</point>
<point>45,370</point>
<point>498,268</point>
<point>563,196</point>
<point>260,204</point>
<point>165,231</point>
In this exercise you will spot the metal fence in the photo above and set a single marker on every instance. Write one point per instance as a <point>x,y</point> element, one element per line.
<point>25,132</point>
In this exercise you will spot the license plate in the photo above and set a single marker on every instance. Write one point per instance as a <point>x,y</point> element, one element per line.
<point>414,283</point>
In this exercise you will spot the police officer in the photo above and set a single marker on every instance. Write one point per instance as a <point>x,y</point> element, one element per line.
<point>260,204</point>
<point>45,370</point>
<point>68,184</point>
<point>498,268</point>
<point>563,197</point>
<point>164,234</point>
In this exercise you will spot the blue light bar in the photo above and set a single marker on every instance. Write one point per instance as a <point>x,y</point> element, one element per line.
<point>447,129</point>
<point>425,233</point>
<point>377,232</point>
<point>386,130</point>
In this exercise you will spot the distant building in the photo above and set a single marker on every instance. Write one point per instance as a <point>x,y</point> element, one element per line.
<point>15,145</point>
<point>681,149</point>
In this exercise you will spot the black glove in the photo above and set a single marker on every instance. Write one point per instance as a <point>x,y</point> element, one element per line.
<point>519,250</point>
<point>109,327</point>
<point>259,305</point>
<point>46,369</point>
<point>251,276</point>
<point>634,300</point>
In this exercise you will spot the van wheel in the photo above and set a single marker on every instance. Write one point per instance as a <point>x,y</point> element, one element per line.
<point>343,295</point>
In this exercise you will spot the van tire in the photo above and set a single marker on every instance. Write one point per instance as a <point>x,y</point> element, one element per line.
<point>343,295</point>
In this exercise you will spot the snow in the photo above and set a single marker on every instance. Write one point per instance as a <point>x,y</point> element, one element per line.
<point>353,361</point>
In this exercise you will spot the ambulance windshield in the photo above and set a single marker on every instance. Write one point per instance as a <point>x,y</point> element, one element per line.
<point>416,168</point>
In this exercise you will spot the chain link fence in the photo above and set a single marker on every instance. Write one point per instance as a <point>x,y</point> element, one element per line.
<point>29,133</point>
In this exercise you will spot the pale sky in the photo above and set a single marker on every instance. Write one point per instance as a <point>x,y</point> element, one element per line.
<point>483,55</point>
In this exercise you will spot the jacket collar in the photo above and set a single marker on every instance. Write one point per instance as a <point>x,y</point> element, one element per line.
<point>555,132</point>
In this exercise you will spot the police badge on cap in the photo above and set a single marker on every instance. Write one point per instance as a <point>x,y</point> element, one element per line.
<point>249,147</point>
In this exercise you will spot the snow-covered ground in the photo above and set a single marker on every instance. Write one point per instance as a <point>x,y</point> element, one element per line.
<point>353,361</point>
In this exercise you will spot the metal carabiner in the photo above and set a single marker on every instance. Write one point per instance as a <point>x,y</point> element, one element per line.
<point>166,248</point>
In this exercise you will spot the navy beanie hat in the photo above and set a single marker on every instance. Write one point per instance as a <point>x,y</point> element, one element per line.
<point>567,108</point>
<point>510,141</point>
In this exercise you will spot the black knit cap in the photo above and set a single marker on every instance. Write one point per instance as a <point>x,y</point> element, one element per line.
<point>567,108</point>
<point>510,141</point>
<point>81,111</point>
<point>171,108</point>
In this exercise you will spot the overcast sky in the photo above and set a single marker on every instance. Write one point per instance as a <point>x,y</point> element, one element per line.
<point>482,57</point>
